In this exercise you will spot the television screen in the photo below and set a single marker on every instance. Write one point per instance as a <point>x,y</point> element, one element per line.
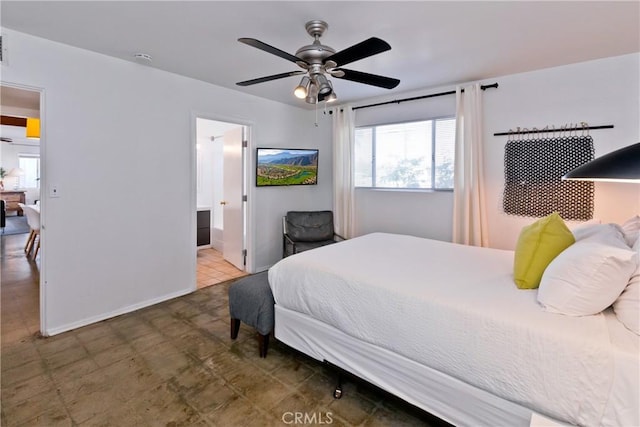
<point>286,166</point>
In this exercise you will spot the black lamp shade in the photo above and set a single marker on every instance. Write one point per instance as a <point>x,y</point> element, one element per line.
<point>619,165</point>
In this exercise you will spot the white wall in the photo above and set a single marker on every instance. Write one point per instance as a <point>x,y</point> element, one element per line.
<point>279,200</point>
<point>118,143</point>
<point>419,213</point>
<point>598,92</point>
<point>10,110</point>
<point>430,213</point>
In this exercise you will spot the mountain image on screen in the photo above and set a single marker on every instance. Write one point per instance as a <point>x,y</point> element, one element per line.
<point>289,158</point>
<point>286,167</point>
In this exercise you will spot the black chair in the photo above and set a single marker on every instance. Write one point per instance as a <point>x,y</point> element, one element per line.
<point>3,215</point>
<point>304,230</point>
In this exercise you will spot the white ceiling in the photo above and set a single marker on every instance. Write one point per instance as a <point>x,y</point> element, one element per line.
<point>433,43</point>
<point>19,98</point>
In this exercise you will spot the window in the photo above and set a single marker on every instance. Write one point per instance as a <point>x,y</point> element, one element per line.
<point>30,164</point>
<point>415,155</point>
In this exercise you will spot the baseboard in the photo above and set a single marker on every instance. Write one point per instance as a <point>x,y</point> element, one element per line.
<point>109,315</point>
<point>263,268</point>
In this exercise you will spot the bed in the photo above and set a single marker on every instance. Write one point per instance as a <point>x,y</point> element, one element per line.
<point>443,327</point>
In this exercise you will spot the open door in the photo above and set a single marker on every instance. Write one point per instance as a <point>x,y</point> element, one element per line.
<point>233,204</point>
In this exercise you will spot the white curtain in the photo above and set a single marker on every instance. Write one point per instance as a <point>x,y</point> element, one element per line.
<point>469,211</point>
<point>343,192</point>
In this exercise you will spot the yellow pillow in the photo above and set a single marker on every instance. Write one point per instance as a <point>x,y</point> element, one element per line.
<point>538,244</point>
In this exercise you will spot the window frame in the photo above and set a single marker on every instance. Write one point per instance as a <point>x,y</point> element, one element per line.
<point>22,180</point>
<point>433,156</point>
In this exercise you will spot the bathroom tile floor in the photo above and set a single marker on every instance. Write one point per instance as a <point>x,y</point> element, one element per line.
<point>213,269</point>
<point>171,364</point>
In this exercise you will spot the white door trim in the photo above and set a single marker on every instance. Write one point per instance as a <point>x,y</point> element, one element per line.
<point>43,200</point>
<point>248,174</point>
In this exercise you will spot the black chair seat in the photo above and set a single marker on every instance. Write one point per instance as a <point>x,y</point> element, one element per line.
<point>305,246</point>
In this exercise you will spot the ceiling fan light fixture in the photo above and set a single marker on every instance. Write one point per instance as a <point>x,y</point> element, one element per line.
<point>301,90</point>
<point>332,95</point>
<point>312,94</point>
<point>323,84</point>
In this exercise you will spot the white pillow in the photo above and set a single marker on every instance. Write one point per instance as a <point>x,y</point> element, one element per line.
<point>586,278</point>
<point>627,306</point>
<point>631,230</point>
<point>574,225</point>
<point>608,234</point>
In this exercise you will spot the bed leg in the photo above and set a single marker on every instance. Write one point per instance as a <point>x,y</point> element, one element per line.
<point>263,344</point>
<point>235,327</point>
<point>337,393</point>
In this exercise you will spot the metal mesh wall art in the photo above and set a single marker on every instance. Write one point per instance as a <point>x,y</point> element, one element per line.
<point>533,169</point>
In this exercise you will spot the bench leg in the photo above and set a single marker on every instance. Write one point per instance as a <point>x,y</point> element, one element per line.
<point>263,344</point>
<point>235,327</point>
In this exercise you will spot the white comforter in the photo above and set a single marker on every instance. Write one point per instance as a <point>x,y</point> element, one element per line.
<point>456,309</point>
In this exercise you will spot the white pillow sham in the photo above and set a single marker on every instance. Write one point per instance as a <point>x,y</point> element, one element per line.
<point>631,230</point>
<point>608,234</point>
<point>586,278</point>
<point>573,225</point>
<point>627,306</point>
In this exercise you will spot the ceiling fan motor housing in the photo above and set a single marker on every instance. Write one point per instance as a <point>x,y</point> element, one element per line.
<point>316,52</point>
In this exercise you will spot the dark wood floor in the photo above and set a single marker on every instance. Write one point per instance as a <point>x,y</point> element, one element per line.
<point>170,364</point>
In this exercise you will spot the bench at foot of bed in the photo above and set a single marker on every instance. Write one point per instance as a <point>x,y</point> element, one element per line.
<point>251,301</point>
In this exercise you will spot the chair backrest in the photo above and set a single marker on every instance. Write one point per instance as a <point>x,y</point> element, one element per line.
<point>21,206</point>
<point>309,226</point>
<point>33,217</point>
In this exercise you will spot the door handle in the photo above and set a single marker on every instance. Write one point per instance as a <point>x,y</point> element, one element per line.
<point>223,202</point>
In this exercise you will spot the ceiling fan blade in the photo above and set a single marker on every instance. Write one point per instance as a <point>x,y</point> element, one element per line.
<point>269,78</point>
<point>270,49</point>
<point>368,79</point>
<point>369,47</point>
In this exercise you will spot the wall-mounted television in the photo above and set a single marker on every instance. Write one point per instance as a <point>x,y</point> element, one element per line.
<point>286,166</point>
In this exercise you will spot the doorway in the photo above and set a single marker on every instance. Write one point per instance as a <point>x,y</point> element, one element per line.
<point>20,153</point>
<point>221,207</point>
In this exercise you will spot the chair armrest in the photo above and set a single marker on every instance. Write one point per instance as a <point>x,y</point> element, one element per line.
<point>287,239</point>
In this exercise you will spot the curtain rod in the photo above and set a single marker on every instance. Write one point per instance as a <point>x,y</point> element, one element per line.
<point>433,95</point>
<point>561,129</point>
<point>415,98</point>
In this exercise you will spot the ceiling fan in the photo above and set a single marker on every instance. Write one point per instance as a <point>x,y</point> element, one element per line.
<point>319,60</point>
